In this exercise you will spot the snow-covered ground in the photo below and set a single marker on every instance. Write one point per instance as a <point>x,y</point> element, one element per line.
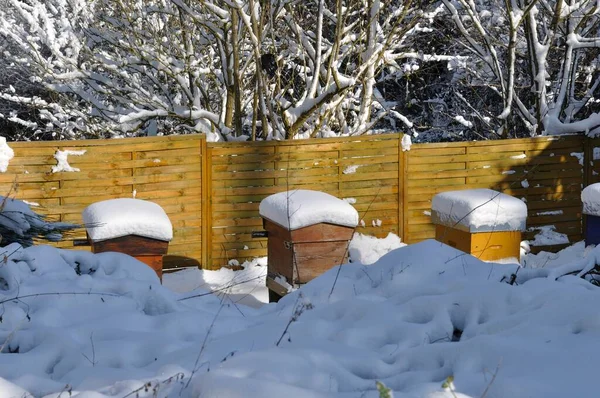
<point>79,324</point>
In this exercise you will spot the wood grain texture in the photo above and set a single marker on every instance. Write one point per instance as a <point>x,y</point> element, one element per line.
<point>166,170</point>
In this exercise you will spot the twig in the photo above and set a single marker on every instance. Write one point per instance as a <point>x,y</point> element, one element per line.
<point>10,335</point>
<point>298,310</point>
<point>487,388</point>
<point>93,360</point>
<point>339,270</point>
<point>196,368</point>
<point>214,291</point>
<point>19,298</point>
<point>148,385</point>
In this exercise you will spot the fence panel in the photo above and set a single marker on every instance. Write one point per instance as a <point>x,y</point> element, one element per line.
<point>165,170</point>
<point>546,172</point>
<point>362,170</point>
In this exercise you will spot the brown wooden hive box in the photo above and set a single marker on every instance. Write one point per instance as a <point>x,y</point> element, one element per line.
<point>148,250</point>
<point>302,254</point>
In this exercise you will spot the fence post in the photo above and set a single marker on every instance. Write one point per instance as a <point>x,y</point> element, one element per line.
<point>206,238</point>
<point>401,190</point>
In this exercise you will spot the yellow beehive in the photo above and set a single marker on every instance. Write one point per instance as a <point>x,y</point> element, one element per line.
<point>484,223</point>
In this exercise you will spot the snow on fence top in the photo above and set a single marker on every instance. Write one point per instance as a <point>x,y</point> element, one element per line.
<point>120,217</point>
<point>590,196</point>
<point>6,154</point>
<point>300,208</point>
<point>479,210</point>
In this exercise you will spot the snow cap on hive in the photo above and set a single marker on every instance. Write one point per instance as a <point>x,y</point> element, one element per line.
<point>300,208</point>
<point>590,196</point>
<point>115,218</point>
<point>478,210</point>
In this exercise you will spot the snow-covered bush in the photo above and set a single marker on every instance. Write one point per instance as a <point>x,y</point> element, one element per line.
<point>541,58</point>
<point>278,69</point>
<point>454,69</point>
<point>19,224</point>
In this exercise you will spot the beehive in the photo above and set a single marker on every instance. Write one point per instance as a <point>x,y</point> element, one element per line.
<point>484,223</point>
<point>308,233</point>
<point>135,227</point>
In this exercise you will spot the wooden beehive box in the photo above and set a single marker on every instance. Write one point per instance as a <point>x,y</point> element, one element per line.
<point>135,227</point>
<point>303,254</point>
<point>483,245</point>
<point>148,250</point>
<point>308,233</point>
<point>481,222</point>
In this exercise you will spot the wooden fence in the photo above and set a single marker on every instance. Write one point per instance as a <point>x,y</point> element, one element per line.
<point>212,191</point>
<point>166,170</point>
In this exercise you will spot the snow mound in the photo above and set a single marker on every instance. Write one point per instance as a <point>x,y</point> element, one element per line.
<point>479,210</point>
<point>120,217</point>
<point>366,249</point>
<point>300,208</point>
<point>100,325</point>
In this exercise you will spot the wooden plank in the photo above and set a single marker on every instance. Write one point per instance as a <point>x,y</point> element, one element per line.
<point>524,146</point>
<point>433,167</point>
<point>545,205</point>
<point>528,141</point>
<point>565,175</point>
<point>94,150</point>
<point>377,186</point>
<point>41,177</point>
<point>221,256</point>
<point>300,142</point>
<point>130,180</point>
<point>498,172</point>
<point>435,182</point>
<point>236,168</point>
<point>441,159</point>
<point>110,142</point>
<point>238,222</point>
<point>262,174</point>
<point>559,161</point>
<point>384,152</point>
<point>181,221</point>
<point>354,192</point>
<point>242,150</point>
<point>533,179</point>
<point>284,159</point>
<point>159,154</point>
<point>185,168</point>
<point>369,176</point>
<point>242,245</point>
<point>414,237</point>
<point>173,185</point>
<point>180,194</point>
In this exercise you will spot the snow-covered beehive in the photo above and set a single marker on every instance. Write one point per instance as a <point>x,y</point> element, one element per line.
<point>590,196</point>
<point>481,222</point>
<point>136,227</point>
<point>308,233</point>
